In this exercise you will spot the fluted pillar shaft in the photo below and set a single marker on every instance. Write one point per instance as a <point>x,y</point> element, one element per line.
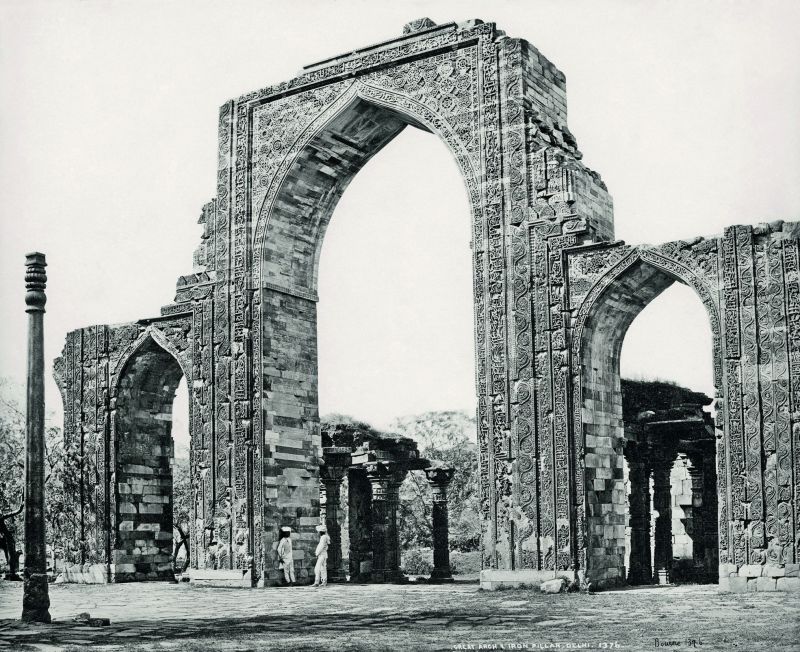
<point>662,499</point>
<point>695,522</point>
<point>439,479</point>
<point>35,599</point>
<point>378,476</point>
<point>359,506</point>
<point>393,573</point>
<point>332,474</point>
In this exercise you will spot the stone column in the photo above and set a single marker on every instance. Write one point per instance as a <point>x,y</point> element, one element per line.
<point>331,475</point>
<point>695,523</point>
<point>639,570</point>
<point>359,508</point>
<point>439,478</point>
<point>393,573</point>
<point>662,499</point>
<point>35,598</point>
<point>378,476</point>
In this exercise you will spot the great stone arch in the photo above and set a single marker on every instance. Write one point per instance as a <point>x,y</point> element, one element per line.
<point>554,294</point>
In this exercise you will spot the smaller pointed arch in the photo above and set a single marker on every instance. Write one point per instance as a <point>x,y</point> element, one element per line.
<point>604,317</point>
<point>150,336</point>
<point>142,450</point>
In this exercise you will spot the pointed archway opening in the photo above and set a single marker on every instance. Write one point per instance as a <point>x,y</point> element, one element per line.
<point>395,311</point>
<point>297,222</point>
<point>636,429</point>
<point>142,545</point>
<point>670,442</point>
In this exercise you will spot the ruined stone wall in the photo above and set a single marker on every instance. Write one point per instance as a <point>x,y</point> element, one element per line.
<point>117,418</point>
<point>500,107</point>
<point>745,280</point>
<point>553,299</point>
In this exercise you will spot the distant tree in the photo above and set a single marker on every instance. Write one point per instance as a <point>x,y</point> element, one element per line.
<point>62,488</point>
<point>62,475</point>
<point>446,437</point>
<point>12,478</point>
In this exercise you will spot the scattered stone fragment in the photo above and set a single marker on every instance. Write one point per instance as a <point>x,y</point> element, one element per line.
<point>557,585</point>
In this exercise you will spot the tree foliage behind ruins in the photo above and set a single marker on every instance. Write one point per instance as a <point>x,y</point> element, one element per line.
<point>62,481</point>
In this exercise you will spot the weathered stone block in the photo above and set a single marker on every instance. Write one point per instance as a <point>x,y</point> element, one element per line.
<point>751,570</point>
<point>765,584</point>
<point>151,508</point>
<point>558,585</point>
<point>774,571</point>
<point>737,584</point>
<point>788,584</point>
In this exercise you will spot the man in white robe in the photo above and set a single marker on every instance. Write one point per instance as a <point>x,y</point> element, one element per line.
<point>321,569</point>
<point>285,555</point>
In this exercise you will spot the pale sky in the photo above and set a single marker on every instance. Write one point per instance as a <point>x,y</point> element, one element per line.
<point>689,110</point>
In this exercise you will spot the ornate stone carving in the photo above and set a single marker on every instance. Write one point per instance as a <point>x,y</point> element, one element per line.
<point>547,276</point>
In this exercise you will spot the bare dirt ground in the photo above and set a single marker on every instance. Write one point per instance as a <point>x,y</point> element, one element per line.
<point>160,616</point>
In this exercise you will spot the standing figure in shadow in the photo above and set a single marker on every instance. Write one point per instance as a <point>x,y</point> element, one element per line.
<point>285,555</point>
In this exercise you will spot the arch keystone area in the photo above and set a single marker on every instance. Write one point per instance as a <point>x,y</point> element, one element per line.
<point>551,286</point>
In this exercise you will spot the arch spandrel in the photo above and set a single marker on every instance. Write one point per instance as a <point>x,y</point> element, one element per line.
<point>696,265</point>
<point>401,111</point>
<point>437,93</point>
<point>159,338</point>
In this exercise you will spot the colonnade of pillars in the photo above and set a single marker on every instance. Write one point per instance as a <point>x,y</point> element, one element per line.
<point>373,502</point>
<point>656,461</point>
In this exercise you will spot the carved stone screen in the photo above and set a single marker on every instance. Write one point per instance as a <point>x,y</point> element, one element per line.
<point>554,295</point>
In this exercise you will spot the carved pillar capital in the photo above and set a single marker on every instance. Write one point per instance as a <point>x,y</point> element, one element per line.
<point>35,282</point>
<point>439,478</point>
<point>379,475</point>
<point>336,460</point>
